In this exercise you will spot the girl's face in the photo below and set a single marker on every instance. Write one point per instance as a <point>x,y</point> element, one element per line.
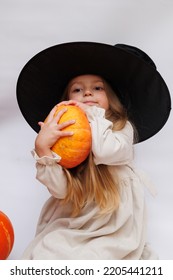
<point>90,90</point>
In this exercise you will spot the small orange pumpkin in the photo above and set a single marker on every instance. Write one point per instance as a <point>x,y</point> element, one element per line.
<point>6,236</point>
<point>73,149</point>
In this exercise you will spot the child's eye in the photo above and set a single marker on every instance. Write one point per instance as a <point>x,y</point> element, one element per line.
<point>99,88</point>
<point>76,90</point>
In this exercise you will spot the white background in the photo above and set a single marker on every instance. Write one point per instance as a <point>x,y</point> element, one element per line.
<point>27,27</point>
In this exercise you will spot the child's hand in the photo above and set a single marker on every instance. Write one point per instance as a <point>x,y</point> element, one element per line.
<point>50,132</point>
<point>76,103</point>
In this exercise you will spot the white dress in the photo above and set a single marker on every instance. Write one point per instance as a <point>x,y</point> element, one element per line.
<point>120,235</point>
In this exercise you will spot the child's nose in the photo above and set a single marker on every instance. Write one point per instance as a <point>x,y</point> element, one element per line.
<point>88,92</point>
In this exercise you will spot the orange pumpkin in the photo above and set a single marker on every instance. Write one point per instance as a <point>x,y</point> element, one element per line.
<point>6,236</point>
<point>73,149</point>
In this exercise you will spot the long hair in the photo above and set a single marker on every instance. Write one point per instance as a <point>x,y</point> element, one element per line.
<point>89,182</point>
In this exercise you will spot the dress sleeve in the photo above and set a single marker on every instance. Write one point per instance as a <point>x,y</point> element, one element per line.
<point>109,147</point>
<point>51,174</point>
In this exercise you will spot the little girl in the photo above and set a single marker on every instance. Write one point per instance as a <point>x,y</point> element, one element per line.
<point>97,209</point>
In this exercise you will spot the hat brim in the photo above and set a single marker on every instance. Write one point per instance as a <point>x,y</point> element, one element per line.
<point>141,88</point>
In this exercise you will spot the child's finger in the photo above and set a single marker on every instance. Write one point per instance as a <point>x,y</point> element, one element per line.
<point>65,124</point>
<point>51,114</point>
<point>41,124</point>
<point>66,133</point>
<point>68,102</point>
<point>62,103</point>
<point>59,115</point>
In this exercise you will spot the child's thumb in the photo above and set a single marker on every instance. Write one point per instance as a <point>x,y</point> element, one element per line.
<point>41,124</point>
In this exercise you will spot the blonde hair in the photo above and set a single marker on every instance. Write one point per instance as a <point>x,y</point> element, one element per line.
<point>93,183</point>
